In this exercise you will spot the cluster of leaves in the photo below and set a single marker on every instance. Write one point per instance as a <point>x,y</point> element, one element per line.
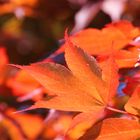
<point>86,82</point>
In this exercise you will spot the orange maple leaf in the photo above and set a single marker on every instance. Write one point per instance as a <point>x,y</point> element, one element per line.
<point>114,38</point>
<point>111,129</point>
<point>85,87</point>
<point>23,83</point>
<point>117,35</point>
<point>133,104</point>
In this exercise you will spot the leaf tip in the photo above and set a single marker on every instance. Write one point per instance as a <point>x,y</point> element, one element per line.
<point>66,33</point>
<point>67,38</point>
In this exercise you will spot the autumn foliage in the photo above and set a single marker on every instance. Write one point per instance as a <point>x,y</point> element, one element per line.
<point>82,93</point>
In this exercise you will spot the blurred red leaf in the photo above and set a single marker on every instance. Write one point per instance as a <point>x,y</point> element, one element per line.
<point>131,83</point>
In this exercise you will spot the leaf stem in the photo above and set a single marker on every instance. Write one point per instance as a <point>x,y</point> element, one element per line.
<point>116,110</point>
<point>122,112</point>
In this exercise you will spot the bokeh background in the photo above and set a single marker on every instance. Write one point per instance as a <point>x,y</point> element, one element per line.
<point>32,29</point>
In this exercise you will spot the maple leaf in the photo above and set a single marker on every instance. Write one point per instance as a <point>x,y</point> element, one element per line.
<point>97,42</point>
<point>115,37</point>
<point>111,129</point>
<point>124,58</point>
<point>22,83</point>
<point>84,87</point>
<point>133,104</point>
<point>126,28</point>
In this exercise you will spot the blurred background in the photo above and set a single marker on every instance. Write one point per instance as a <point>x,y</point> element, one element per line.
<point>32,29</point>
